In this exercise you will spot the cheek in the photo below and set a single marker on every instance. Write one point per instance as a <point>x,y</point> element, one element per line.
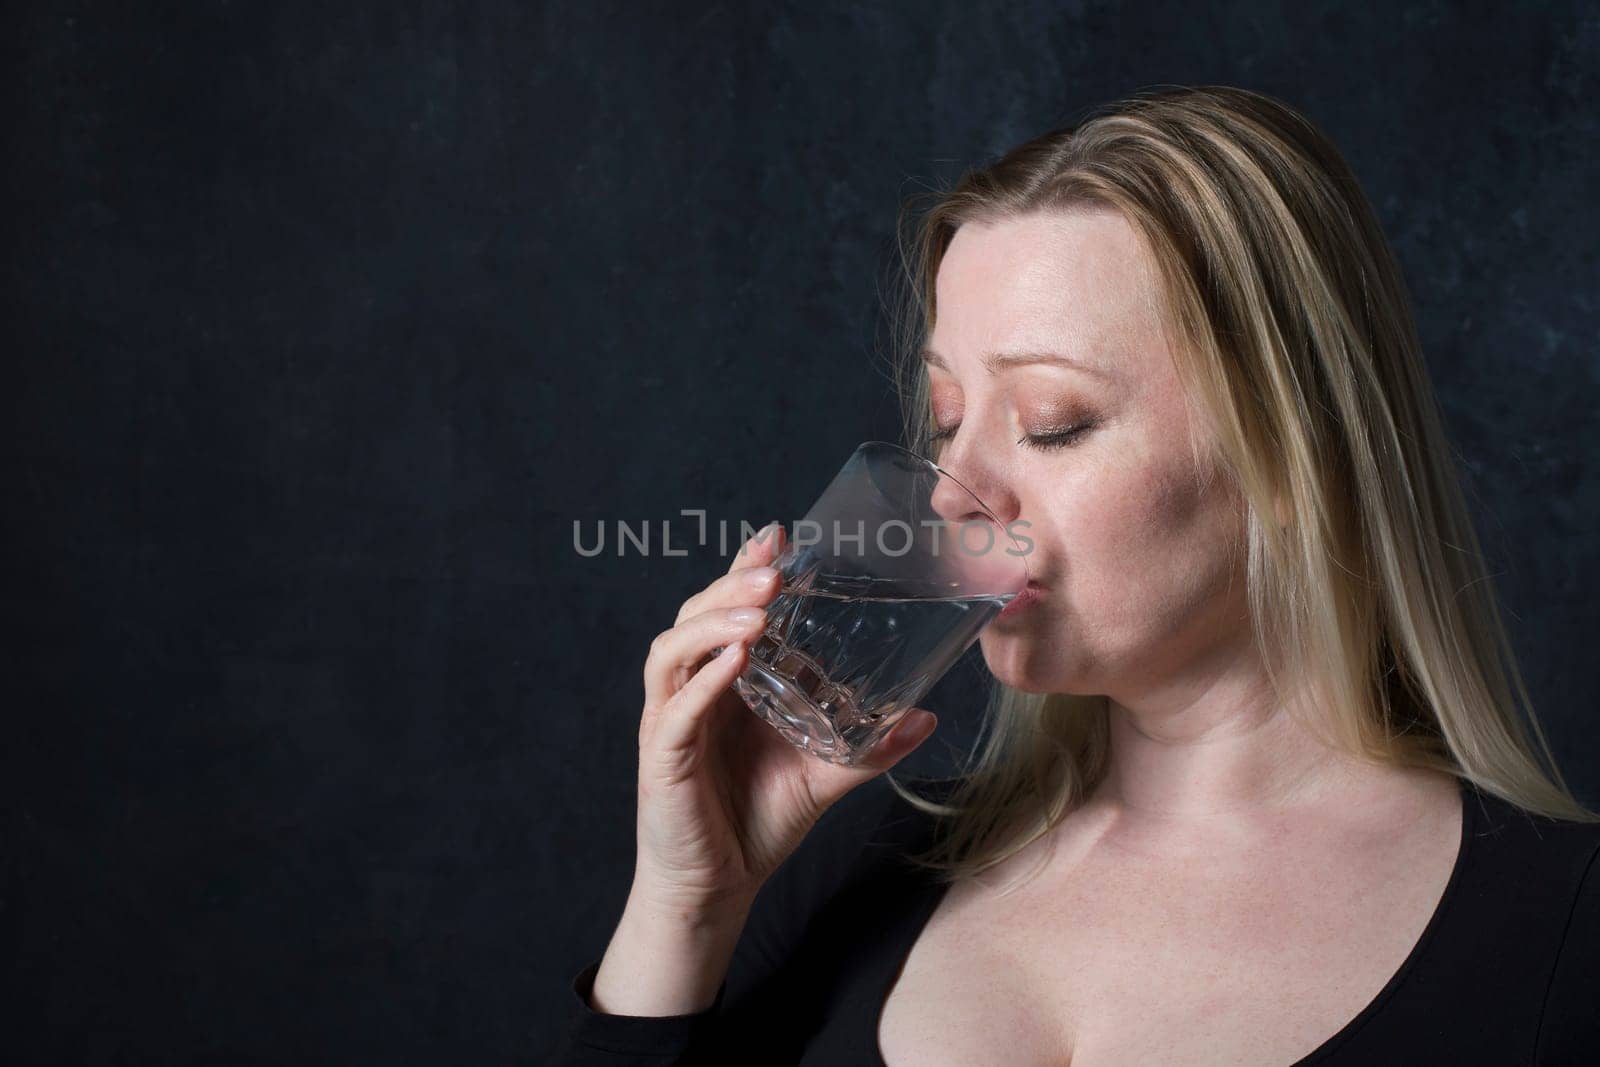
<point>1148,542</point>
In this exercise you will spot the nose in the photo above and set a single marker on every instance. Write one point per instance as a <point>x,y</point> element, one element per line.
<point>965,487</point>
<point>953,503</point>
<point>960,497</point>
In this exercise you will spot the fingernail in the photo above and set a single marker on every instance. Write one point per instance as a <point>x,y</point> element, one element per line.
<point>746,615</point>
<point>759,576</point>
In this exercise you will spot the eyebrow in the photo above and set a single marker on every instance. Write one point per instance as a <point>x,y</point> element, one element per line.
<point>995,362</point>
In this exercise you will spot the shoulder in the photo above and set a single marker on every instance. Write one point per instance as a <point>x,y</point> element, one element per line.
<point>1569,1025</point>
<point>1520,864</point>
<point>1531,885</point>
<point>1518,843</point>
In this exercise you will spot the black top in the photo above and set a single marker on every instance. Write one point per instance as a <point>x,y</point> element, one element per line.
<point>1507,971</point>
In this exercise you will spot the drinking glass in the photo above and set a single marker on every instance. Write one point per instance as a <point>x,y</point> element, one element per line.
<point>887,580</point>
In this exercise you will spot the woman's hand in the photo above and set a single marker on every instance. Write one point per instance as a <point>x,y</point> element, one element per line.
<point>723,798</point>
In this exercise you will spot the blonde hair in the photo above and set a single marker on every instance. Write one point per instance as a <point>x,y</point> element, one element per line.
<point>1294,341</point>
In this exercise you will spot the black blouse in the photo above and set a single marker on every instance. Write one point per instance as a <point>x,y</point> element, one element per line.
<point>1507,970</point>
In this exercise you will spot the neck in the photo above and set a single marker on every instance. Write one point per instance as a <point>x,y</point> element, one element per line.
<point>1226,745</point>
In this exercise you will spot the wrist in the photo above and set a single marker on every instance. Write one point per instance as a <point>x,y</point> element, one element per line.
<point>689,908</point>
<point>665,960</point>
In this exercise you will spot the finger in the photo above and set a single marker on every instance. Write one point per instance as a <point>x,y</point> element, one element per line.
<point>729,591</point>
<point>751,586</point>
<point>764,547</point>
<point>675,653</point>
<point>831,781</point>
<point>683,716</point>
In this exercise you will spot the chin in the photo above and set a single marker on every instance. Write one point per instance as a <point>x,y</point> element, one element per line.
<point>1029,659</point>
<point>1021,663</point>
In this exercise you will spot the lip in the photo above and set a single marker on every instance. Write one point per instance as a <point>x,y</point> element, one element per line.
<point>1022,601</point>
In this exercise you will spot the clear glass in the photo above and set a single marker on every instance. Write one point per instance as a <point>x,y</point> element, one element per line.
<point>887,580</point>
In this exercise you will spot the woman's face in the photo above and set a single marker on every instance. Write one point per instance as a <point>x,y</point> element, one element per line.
<point>1137,551</point>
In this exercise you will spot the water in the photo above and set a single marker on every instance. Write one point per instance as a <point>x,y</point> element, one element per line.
<point>836,668</point>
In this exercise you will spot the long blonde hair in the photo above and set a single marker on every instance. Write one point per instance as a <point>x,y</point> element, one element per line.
<point>1294,340</point>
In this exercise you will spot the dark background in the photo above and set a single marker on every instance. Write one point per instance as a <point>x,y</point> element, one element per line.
<point>324,325</point>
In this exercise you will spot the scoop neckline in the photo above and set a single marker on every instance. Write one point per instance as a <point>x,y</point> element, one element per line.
<point>1469,822</point>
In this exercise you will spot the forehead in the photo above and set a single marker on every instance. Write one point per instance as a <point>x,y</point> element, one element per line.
<point>1078,282</point>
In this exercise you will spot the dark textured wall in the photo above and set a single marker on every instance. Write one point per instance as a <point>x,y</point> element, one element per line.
<point>324,325</point>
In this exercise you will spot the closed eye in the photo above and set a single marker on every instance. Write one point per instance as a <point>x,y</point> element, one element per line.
<point>1044,442</point>
<point>1057,438</point>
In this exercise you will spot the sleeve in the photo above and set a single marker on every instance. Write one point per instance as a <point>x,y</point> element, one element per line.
<point>762,1004</point>
<point>601,1040</point>
<point>1569,1028</point>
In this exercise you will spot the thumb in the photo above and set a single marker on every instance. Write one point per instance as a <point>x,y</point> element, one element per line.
<point>908,734</point>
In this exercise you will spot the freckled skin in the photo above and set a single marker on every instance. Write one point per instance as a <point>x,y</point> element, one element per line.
<point>1143,576</point>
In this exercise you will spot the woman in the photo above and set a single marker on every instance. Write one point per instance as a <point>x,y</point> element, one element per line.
<point>1254,787</point>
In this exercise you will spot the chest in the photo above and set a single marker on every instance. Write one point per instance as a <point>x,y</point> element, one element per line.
<point>1137,959</point>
